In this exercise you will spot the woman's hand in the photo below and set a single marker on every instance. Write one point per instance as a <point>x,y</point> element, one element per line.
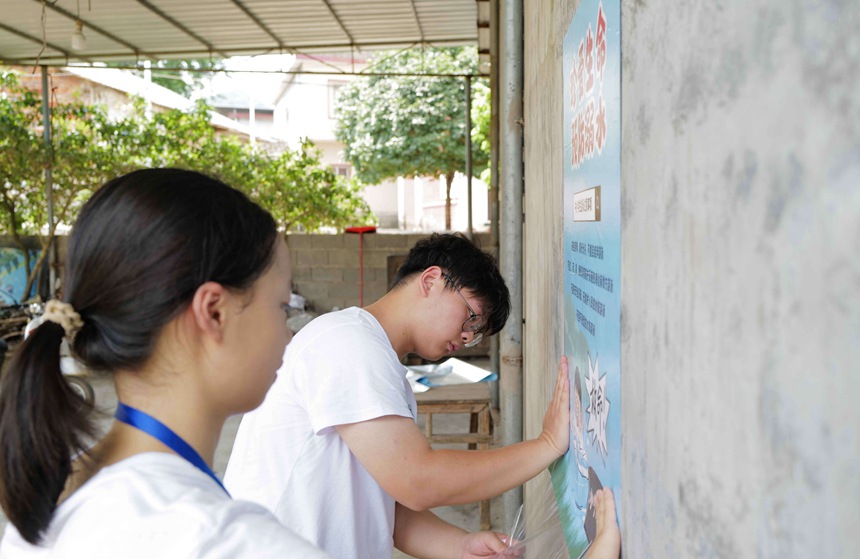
<point>607,539</point>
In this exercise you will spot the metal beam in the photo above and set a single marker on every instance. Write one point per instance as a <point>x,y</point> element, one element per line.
<point>89,25</point>
<point>339,22</point>
<point>470,229</point>
<point>259,23</point>
<point>511,228</point>
<point>417,20</point>
<point>178,25</point>
<point>267,49</point>
<point>493,194</point>
<point>323,62</point>
<point>49,182</point>
<point>37,40</point>
<point>300,72</point>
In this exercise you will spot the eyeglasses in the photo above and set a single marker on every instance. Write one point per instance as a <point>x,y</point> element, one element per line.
<point>475,321</point>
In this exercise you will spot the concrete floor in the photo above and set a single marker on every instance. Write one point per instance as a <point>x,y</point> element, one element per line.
<point>464,516</point>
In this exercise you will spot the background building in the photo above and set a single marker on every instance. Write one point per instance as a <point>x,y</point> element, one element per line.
<point>302,105</point>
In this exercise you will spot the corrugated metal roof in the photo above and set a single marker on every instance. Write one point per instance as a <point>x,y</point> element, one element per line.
<point>158,29</point>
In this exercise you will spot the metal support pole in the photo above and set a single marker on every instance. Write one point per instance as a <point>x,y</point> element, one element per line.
<point>361,270</point>
<point>361,231</point>
<point>511,227</point>
<point>49,182</point>
<point>493,191</point>
<point>471,230</point>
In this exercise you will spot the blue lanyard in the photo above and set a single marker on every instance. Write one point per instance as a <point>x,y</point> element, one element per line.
<point>163,433</point>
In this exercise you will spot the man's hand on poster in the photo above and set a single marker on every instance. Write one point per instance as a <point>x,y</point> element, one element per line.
<point>556,422</point>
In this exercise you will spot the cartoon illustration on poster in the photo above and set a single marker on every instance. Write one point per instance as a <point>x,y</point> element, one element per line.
<point>592,277</point>
<point>13,275</point>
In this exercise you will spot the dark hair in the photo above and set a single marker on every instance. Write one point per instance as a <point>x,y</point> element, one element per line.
<point>468,267</point>
<point>139,250</point>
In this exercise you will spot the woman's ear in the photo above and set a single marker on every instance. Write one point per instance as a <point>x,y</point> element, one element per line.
<point>208,309</point>
<point>428,279</point>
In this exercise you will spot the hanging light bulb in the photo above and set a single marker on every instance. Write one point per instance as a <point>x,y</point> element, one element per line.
<point>79,40</point>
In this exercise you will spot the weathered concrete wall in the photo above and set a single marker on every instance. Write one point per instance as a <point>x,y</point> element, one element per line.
<point>741,277</point>
<point>543,254</point>
<point>326,267</point>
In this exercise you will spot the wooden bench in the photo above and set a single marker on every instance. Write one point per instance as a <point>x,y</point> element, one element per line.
<point>473,399</point>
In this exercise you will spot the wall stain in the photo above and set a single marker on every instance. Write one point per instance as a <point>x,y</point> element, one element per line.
<point>783,189</point>
<point>707,533</point>
<point>643,122</point>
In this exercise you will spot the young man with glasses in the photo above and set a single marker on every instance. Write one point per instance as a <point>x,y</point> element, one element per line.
<point>335,452</point>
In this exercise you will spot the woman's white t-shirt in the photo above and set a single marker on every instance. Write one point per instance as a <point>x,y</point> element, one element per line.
<point>158,505</point>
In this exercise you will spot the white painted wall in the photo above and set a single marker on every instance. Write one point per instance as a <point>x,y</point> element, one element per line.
<point>306,110</point>
<point>306,107</point>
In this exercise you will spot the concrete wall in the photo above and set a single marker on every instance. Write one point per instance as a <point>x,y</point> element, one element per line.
<point>543,253</point>
<point>326,267</point>
<point>741,281</point>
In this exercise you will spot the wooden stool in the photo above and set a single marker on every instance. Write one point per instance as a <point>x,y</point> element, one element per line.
<point>473,399</point>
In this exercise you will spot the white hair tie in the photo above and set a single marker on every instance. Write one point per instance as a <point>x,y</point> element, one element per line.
<point>63,314</point>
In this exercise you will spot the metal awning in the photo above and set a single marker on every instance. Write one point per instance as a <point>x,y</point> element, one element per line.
<point>137,30</point>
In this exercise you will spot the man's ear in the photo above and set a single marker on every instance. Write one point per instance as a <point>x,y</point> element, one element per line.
<point>428,279</point>
<point>208,309</point>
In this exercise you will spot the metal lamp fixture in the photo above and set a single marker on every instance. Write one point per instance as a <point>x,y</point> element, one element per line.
<point>79,40</point>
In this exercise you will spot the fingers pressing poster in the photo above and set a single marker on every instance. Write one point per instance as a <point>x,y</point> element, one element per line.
<point>592,241</point>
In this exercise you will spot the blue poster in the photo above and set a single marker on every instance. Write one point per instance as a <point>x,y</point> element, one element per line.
<point>592,267</point>
<point>13,275</point>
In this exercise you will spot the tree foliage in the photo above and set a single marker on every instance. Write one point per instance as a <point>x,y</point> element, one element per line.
<point>78,161</point>
<point>89,147</point>
<point>182,76</point>
<point>481,118</point>
<point>411,125</point>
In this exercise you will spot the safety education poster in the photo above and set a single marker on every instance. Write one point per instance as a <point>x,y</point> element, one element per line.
<point>592,267</point>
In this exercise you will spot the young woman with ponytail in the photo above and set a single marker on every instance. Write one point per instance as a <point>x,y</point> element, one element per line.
<point>176,284</point>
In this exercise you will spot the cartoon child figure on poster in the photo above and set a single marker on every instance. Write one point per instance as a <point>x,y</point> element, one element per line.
<point>578,446</point>
<point>587,481</point>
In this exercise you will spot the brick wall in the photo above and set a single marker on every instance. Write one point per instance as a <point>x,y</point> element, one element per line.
<point>326,267</point>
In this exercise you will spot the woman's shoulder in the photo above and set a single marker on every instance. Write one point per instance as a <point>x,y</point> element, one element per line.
<point>156,504</point>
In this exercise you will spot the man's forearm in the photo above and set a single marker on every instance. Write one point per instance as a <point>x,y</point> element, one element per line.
<point>425,535</point>
<point>454,477</point>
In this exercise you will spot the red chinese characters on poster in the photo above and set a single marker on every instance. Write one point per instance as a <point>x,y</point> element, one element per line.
<point>588,125</point>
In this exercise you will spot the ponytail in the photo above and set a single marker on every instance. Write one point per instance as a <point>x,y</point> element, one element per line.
<point>140,248</point>
<point>43,423</point>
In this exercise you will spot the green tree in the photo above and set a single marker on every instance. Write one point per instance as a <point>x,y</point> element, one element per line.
<point>89,148</point>
<point>481,125</point>
<point>78,159</point>
<point>326,199</point>
<point>182,76</point>
<point>294,186</point>
<point>410,125</point>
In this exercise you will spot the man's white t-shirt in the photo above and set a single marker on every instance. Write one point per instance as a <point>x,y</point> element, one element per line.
<point>288,456</point>
<point>158,505</point>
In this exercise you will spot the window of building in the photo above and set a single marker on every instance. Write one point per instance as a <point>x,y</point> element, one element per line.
<point>342,169</point>
<point>334,88</point>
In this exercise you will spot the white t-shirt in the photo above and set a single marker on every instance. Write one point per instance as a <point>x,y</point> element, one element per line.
<point>158,505</point>
<point>288,456</point>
